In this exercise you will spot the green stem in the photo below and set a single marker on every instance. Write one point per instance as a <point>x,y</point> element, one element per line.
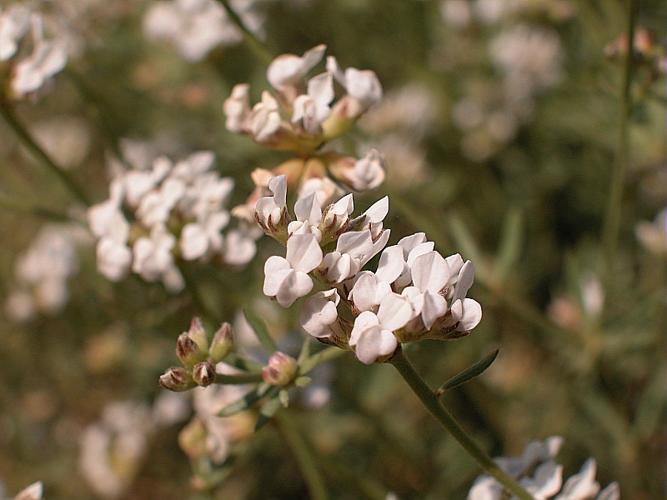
<point>14,205</point>
<point>303,456</point>
<point>255,43</point>
<point>430,401</point>
<point>35,149</point>
<point>244,378</point>
<point>321,357</point>
<point>613,216</point>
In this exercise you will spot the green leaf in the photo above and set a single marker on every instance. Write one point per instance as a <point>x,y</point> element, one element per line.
<point>467,374</point>
<point>510,243</point>
<point>268,410</point>
<point>260,330</point>
<point>302,381</point>
<point>247,400</point>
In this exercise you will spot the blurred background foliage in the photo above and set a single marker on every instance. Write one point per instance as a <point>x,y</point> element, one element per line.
<point>582,343</point>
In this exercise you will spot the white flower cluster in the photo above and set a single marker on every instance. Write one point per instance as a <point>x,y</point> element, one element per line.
<point>113,449</point>
<point>34,58</point>
<point>415,292</point>
<point>195,27</point>
<point>302,115</point>
<point>42,272</point>
<point>168,211</point>
<point>530,59</point>
<point>537,471</point>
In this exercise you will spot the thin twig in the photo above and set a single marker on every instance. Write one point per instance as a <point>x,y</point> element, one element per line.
<point>303,456</point>
<point>257,46</point>
<point>431,403</point>
<point>614,207</point>
<point>36,150</point>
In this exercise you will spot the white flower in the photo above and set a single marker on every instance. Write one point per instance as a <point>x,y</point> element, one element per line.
<point>196,27</point>
<point>353,250</point>
<point>288,69</point>
<point>308,214</point>
<point>199,239</point>
<point>582,485</point>
<point>271,211</point>
<point>372,336</point>
<point>327,191</point>
<point>152,255</point>
<point>265,121</point>
<point>113,258</point>
<point>545,482</point>
<point>287,278</point>
<point>237,108</point>
<point>366,173</point>
<point>240,245</point>
<point>362,85</point>
<point>430,273</point>
<point>368,291</point>
<point>32,492</point>
<point>468,314</point>
<point>336,215</point>
<point>47,59</point>
<point>14,24</point>
<point>311,109</point>
<point>319,314</point>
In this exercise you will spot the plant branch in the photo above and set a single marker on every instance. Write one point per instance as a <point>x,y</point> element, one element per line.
<point>257,46</point>
<point>303,456</point>
<point>430,401</point>
<point>614,207</point>
<point>36,150</point>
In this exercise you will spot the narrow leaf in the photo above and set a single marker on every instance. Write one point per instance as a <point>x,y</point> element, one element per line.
<point>510,242</point>
<point>260,330</point>
<point>247,400</point>
<point>467,374</point>
<point>267,412</point>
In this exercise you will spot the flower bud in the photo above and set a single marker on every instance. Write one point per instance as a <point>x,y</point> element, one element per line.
<point>198,334</point>
<point>203,373</point>
<point>280,370</point>
<point>222,343</point>
<point>188,351</point>
<point>176,379</point>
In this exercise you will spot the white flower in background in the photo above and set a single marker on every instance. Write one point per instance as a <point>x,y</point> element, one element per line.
<point>113,449</point>
<point>653,235</point>
<point>220,433</point>
<point>42,273</point>
<point>287,278</point>
<point>530,59</point>
<point>537,471</point>
<point>287,70</point>
<point>271,211</point>
<point>48,58</point>
<point>195,27</point>
<point>372,336</point>
<point>361,85</point>
<point>14,24</point>
<point>363,174</point>
<point>163,211</point>
<point>312,109</point>
<point>298,120</point>
<point>33,492</point>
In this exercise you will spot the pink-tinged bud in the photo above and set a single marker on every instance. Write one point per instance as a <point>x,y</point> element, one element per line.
<point>203,373</point>
<point>188,351</point>
<point>222,343</point>
<point>198,334</point>
<point>176,379</point>
<point>281,369</point>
